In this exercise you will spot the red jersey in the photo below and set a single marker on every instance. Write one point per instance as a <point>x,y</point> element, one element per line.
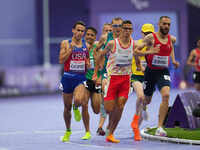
<point>77,60</point>
<point>197,59</point>
<point>160,60</point>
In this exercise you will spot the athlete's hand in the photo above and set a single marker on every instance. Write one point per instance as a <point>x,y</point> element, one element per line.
<point>176,64</point>
<point>102,39</point>
<point>156,49</point>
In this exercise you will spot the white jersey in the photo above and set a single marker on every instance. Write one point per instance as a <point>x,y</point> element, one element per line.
<point>120,61</point>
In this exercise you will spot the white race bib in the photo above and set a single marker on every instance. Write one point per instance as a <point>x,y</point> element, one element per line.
<point>77,66</point>
<point>123,60</point>
<point>160,61</point>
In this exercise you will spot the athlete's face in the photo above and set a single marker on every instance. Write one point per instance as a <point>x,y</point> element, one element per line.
<point>78,31</point>
<point>164,25</point>
<point>90,36</point>
<point>116,26</point>
<point>107,28</point>
<point>127,30</point>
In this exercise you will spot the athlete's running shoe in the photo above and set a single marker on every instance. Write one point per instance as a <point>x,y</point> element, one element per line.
<point>66,137</point>
<point>135,127</point>
<point>160,132</point>
<point>112,139</point>
<point>87,136</point>
<point>77,114</point>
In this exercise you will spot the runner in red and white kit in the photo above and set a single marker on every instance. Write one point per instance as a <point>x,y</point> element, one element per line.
<point>194,61</point>
<point>156,72</point>
<point>116,90</point>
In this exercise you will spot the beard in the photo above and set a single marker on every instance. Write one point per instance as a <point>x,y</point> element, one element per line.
<point>164,31</point>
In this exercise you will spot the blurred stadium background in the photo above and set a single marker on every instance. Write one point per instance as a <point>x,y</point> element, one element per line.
<point>31,31</point>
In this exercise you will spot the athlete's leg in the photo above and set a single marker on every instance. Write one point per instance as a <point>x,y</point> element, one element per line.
<point>67,99</point>
<point>85,114</point>
<point>165,92</point>
<point>103,114</point>
<point>79,95</point>
<point>137,118</point>
<point>96,101</point>
<point>117,113</point>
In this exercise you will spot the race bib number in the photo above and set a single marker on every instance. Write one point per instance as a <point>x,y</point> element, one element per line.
<point>77,66</point>
<point>123,60</point>
<point>91,63</point>
<point>160,61</point>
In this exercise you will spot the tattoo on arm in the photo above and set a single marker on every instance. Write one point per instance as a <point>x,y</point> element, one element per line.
<point>108,48</point>
<point>148,40</point>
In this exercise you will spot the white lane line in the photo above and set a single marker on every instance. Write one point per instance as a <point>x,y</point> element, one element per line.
<point>55,131</point>
<point>12,133</point>
<point>2,148</point>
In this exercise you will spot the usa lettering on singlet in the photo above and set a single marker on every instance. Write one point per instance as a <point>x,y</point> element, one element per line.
<point>77,60</point>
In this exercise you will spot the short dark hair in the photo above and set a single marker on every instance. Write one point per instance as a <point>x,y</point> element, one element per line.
<point>116,19</point>
<point>126,22</point>
<point>79,23</point>
<point>164,17</point>
<point>93,29</point>
<point>107,24</point>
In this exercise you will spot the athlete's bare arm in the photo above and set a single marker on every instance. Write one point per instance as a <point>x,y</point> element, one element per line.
<point>109,48</point>
<point>191,57</point>
<point>173,39</point>
<point>175,63</point>
<point>101,42</point>
<point>148,42</point>
<point>65,51</point>
<point>100,57</point>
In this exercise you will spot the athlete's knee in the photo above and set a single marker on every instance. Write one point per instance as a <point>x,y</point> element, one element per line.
<point>121,106</point>
<point>108,108</point>
<point>121,103</point>
<point>68,107</point>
